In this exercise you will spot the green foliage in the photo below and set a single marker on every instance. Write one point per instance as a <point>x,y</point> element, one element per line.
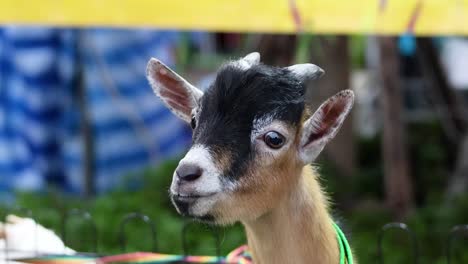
<point>431,225</point>
<point>357,51</point>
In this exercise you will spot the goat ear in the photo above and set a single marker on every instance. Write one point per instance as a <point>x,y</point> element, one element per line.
<point>324,124</point>
<point>306,71</point>
<point>177,94</point>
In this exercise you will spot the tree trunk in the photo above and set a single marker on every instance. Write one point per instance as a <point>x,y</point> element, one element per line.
<point>398,187</point>
<point>278,50</point>
<point>446,101</point>
<point>452,109</point>
<point>334,58</point>
<point>459,181</point>
<point>88,155</point>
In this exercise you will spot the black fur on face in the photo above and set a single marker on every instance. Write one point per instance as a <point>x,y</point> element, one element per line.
<point>234,100</point>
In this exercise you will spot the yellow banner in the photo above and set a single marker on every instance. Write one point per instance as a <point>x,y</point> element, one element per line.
<point>421,17</point>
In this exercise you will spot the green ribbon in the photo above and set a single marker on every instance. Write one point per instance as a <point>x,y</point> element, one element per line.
<point>345,249</point>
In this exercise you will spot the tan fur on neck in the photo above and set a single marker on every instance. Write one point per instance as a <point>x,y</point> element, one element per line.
<point>298,230</point>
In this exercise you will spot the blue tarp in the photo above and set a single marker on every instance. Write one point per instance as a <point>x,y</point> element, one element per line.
<point>40,132</point>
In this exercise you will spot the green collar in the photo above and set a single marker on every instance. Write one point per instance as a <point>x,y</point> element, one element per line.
<point>345,250</point>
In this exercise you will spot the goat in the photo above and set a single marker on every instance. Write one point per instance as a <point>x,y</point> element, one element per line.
<point>253,141</point>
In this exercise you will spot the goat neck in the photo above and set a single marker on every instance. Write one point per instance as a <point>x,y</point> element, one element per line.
<point>298,230</point>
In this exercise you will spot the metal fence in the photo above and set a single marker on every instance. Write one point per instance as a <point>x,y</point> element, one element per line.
<point>82,215</point>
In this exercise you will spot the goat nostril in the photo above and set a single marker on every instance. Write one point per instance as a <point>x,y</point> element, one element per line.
<point>189,172</point>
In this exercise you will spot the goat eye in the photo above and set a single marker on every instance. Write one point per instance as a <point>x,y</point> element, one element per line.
<point>274,139</point>
<point>193,122</point>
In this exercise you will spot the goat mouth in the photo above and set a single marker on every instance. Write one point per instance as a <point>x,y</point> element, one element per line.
<point>185,203</point>
<point>190,196</point>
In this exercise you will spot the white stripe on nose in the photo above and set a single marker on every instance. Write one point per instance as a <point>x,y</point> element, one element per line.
<point>208,176</point>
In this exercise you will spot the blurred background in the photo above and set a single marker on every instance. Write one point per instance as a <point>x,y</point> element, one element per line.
<point>81,128</point>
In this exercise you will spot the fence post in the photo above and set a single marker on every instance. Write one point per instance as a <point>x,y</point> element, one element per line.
<point>407,230</point>
<point>214,232</point>
<point>85,216</point>
<point>453,232</point>
<point>146,219</point>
